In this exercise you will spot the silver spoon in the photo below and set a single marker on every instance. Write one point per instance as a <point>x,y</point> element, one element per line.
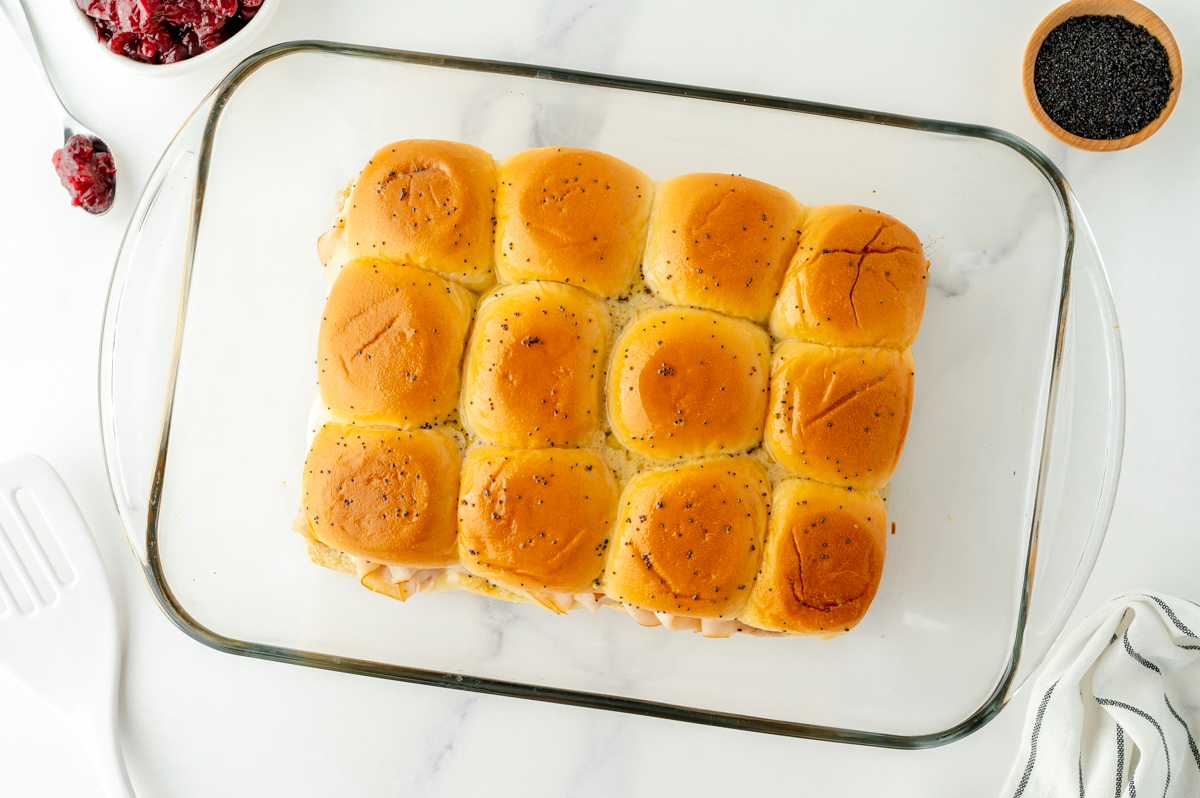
<point>14,10</point>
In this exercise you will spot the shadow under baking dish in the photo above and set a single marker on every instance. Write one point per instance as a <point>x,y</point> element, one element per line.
<point>1000,501</point>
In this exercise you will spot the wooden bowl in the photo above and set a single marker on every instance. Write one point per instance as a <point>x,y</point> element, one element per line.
<point>1137,14</point>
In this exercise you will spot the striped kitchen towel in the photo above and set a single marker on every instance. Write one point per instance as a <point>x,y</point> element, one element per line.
<point>1116,711</point>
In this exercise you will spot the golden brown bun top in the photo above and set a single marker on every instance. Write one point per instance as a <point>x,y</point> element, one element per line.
<point>571,215</point>
<point>427,203</point>
<point>688,382</point>
<point>533,371</point>
<point>858,279</point>
<point>824,559</point>
<point>839,414</point>
<point>688,539</point>
<point>390,344</point>
<point>536,518</point>
<point>384,495</point>
<point>721,242</point>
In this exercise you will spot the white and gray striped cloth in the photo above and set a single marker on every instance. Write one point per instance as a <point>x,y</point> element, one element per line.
<point>1116,711</point>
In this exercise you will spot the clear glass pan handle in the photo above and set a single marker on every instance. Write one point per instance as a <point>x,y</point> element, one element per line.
<point>1082,460</point>
<point>147,297</point>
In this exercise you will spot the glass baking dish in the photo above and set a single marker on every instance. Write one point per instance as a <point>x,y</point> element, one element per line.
<point>1000,502</point>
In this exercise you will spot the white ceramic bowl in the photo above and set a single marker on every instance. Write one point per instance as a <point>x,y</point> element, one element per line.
<point>238,45</point>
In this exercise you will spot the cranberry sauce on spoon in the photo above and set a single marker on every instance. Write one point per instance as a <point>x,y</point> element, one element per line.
<point>85,167</point>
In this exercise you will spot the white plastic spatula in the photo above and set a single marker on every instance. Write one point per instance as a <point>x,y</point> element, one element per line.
<point>58,627</point>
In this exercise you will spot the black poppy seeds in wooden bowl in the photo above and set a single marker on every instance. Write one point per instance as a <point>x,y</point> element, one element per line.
<point>1102,77</point>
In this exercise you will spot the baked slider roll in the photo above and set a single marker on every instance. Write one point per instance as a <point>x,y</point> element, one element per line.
<point>839,414</point>
<point>685,382</point>
<point>858,279</point>
<point>721,242</point>
<point>571,215</point>
<point>390,344</point>
<point>426,203</point>
<point>384,495</point>
<point>534,365</point>
<point>823,560</point>
<point>536,521</point>
<point>688,540</point>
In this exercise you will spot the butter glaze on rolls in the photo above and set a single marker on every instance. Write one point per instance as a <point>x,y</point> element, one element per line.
<point>823,560</point>
<point>573,216</point>
<point>684,382</point>
<point>857,279</point>
<point>384,495</point>
<point>426,203</point>
<point>390,344</point>
<point>536,519</point>
<point>688,539</point>
<point>839,414</point>
<point>533,373</point>
<point>697,540</point>
<point>721,242</point>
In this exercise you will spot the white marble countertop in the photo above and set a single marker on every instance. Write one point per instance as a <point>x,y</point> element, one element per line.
<point>196,722</point>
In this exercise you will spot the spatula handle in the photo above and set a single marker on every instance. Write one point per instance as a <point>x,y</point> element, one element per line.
<point>99,737</point>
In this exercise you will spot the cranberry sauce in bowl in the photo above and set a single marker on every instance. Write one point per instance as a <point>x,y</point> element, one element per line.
<point>164,32</point>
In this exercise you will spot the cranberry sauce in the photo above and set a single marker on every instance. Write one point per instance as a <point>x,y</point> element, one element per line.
<point>86,169</point>
<point>166,31</point>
